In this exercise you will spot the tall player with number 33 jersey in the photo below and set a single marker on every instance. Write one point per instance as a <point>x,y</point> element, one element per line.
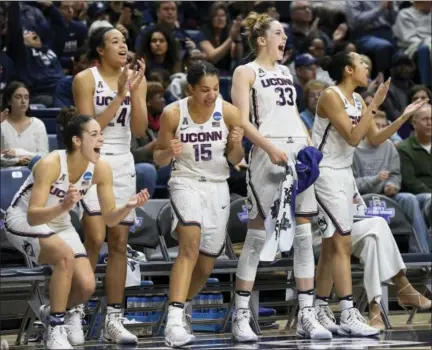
<point>115,96</point>
<point>265,94</point>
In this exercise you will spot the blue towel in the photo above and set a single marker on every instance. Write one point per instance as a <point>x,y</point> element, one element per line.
<point>307,167</point>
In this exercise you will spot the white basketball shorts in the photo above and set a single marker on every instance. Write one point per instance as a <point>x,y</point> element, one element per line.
<point>202,203</point>
<point>335,190</point>
<point>124,183</point>
<point>264,177</point>
<point>26,238</point>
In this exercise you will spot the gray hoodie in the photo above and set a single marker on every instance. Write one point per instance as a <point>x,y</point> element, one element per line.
<point>369,161</point>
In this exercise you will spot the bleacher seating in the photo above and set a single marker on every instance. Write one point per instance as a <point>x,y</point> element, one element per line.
<point>11,180</point>
<point>52,142</point>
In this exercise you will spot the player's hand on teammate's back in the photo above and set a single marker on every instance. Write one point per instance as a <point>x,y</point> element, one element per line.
<point>176,147</point>
<point>236,135</point>
<point>72,197</point>
<point>139,199</point>
<point>381,93</point>
<point>137,76</point>
<point>277,156</point>
<point>122,81</point>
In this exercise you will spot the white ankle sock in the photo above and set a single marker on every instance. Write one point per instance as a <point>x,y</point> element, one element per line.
<point>242,301</point>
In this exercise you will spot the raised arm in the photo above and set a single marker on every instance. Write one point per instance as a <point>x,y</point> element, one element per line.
<point>331,106</point>
<point>234,150</point>
<point>167,146</point>
<point>111,214</point>
<point>376,136</point>
<point>83,91</point>
<point>243,79</point>
<point>138,91</point>
<point>45,174</point>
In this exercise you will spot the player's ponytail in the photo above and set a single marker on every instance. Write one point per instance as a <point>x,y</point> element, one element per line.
<point>335,65</point>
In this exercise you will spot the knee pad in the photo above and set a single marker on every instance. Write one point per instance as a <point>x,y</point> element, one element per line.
<point>250,255</point>
<point>304,263</point>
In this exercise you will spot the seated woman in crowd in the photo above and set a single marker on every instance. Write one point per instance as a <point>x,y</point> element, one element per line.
<point>22,136</point>
<point>159,50</point>
<point>223,42</point>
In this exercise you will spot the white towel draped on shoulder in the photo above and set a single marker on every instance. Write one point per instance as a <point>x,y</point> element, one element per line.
<point>280,221</point>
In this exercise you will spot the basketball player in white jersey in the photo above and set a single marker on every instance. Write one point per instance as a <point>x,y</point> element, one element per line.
<point>342,121</point>
<point>265,91</point>
<point>38,224</point>
<point>198,135</point>
<point>115,96</point>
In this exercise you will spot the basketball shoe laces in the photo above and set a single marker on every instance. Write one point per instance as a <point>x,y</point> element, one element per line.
<point>310,320</point>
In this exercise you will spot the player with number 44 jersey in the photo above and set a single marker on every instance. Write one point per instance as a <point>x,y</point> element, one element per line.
<point>198,135</point>
<point>116,97</point>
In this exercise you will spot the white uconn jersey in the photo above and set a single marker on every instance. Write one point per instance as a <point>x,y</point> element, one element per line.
<point>204,145</point>
<point>58,189</point>
<point>337,153</point>
<point>272,103</point>
<point>117,134</point>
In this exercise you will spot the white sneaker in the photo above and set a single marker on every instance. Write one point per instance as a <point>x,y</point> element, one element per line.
<point>241,329</point>
<point>176,335</point>
<point>115,332</point>
<point>74,328</point>
<point>187,323</point>
<point>44,312</point>
<point>326,318</point>
<point>353,324</point>
<point>57,338</point>
<point>309,327</point>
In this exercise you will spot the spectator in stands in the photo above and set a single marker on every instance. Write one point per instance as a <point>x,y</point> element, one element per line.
<point>413,30</point>
<point>373,243</point>
<point>302,30</point>
<point>142,148</point>
<point>7,71</point>
<point>402,73</point>
<point>317,50</point>
<point>381,118</point>
<point>166,12</point>
<point>416,157</point>
<point>63,96</point>
<point>377,170</point>
<point>22,136</point>
<point>63,118</point>
<point>69,35</point>
<point>305,71</point>
<point>159,50</point>
<point>419,92</point>
<point>312,92</point>
<point>222,39</point>
<point>36,64</point>
<point>371,26</point>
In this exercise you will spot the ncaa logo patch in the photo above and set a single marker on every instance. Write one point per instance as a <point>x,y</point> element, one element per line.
<point>87,176</point>
<point>217,116</point>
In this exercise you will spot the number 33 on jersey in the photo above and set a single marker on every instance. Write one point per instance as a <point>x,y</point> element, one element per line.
<point>203,145</point>
<point>273,109</point>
